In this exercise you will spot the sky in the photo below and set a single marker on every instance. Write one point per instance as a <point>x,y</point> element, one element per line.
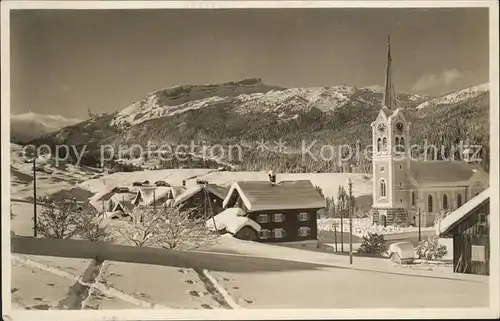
<point>68,61</point>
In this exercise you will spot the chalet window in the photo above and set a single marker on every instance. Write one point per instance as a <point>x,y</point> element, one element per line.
<point>445,202</point>
<point>482,224</point>
<point>413,198</point>
<point>262,218</point>
<point>278,217</point>
<point>264,234</point>
<point>459,200</point>
<point>304,216</point>
<point>429,204</point>
<point>304,231</point>
<point>482,219</point>
<point>279,233</point>
<point>382,188</point>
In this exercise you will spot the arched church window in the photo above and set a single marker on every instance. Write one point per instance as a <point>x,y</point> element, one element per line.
<point>382,169</point>
<point>402,144</point>
<point>397,141</point>
<point>459,200</point>
<point>429,204</point>
<point>383,191</point>
<point>379,144</point>
<point>384,143</point>
<point>445,202</point>
<point>413,198</point>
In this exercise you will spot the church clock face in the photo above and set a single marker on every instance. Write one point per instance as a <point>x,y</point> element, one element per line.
<point>399,128</point>
<point>381,128</point>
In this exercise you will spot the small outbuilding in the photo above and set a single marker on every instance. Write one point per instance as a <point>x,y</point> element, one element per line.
<point>469,226</point>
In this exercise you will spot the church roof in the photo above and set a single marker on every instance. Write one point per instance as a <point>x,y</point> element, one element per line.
<point>442,172</point>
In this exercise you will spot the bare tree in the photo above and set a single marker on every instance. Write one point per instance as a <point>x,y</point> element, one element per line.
<point>168,228</point>
<point>182,230</point>
<point>57,219</point>
<point>89,226</point>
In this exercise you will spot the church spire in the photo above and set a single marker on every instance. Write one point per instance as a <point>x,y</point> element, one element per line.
<point>389,93</point>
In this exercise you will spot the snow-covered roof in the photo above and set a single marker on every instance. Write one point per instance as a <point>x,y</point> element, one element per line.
<point>187,194</point>
<point>232,220</point>
<point>457,216</point>
<point>151,194</point>
<point>442,172</point>
<point>262,195</point>
<point>213,189</point>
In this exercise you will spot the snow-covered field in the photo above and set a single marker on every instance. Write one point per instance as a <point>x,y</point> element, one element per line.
<point>347,288</point>
<point>34,286</point>
<point>329,182</point>
<point>363,226</point>
<point>171,176</point>
<point>170,287</point>
<point>43,282</point>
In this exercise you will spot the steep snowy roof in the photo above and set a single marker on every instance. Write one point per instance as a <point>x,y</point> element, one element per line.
<point>150,194</point>
<point>232,219</point>
<point>262,195</point>
<point>213,189</point>
<point>457,216</point>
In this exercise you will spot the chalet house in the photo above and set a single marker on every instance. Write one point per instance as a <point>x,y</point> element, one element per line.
<point>156,196</point>
<point>405,185</point>
<point>469,226</point>
<point>200,195</point>
<point>286,211</point>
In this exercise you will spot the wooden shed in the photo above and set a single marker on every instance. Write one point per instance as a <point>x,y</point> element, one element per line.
<point>469,226</point>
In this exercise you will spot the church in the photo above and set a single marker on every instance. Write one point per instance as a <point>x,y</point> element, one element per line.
<point>403,187</point>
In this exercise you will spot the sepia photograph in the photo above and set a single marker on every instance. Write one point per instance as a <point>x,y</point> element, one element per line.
<point>295,159</point>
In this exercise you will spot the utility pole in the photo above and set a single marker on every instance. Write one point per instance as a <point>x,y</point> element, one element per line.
<point>34,197</point>
<point>342,228</point>
<point>335,234</point>
<point>419,226</point>
<point>349,183</point>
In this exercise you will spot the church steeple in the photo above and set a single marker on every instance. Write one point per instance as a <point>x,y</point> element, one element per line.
<point>389,93</point>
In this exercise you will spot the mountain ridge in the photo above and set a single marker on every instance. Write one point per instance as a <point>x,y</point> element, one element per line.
<point>249,111</point>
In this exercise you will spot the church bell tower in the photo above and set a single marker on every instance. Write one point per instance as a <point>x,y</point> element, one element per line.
<point>390,138</point>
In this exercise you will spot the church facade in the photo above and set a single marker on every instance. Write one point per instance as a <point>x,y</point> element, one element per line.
<point>404,187</point>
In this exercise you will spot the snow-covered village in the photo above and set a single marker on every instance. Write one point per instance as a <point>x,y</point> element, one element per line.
<point>146,174</point>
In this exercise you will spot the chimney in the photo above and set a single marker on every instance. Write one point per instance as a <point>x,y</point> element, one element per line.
<point>272,177</point>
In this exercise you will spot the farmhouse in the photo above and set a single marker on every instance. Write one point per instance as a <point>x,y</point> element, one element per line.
<point>201,195</point>
<point>286,211</point>
<point>404,185</point>
<point>469,226</point>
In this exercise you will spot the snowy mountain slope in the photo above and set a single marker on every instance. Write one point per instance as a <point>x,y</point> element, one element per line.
<point>28,126</point>
<point>179,99</point>
<point>249,99</point>
<point>457,96</point>
<point>250,111</point>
